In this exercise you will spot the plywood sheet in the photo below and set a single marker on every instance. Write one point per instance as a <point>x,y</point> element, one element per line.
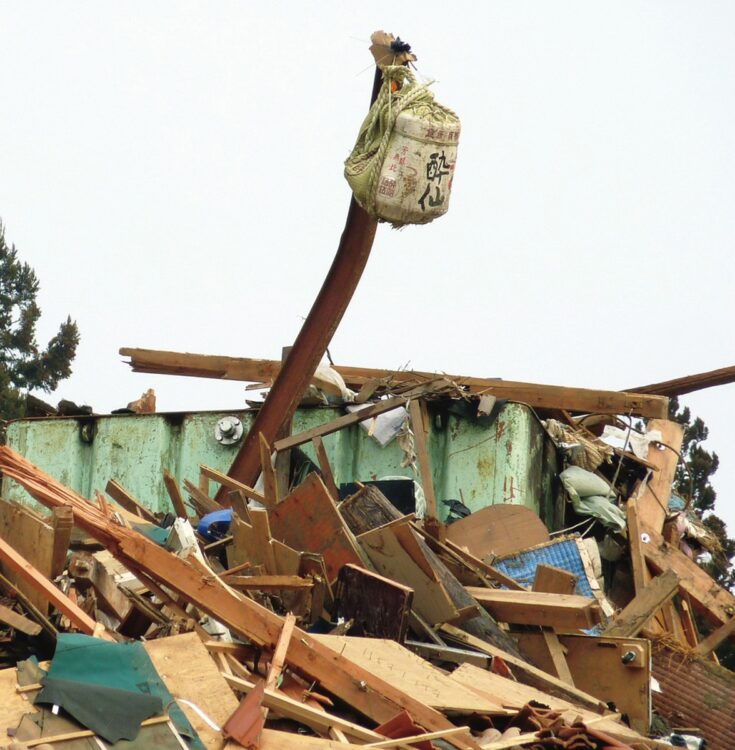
<point>32,536</point>
<point>411,568</point>
<point>189,672</point>
<point>498,530</point>
<point>395,664</point>
<point>597,668</point>
<point>309,521</point>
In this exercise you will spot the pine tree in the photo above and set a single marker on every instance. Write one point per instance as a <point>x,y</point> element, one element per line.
<point>692,481</point>
<point>23,365</point>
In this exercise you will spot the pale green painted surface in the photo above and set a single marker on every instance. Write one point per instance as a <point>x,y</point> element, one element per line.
<point>508,461</point>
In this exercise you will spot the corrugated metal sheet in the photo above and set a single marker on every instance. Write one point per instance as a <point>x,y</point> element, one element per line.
<point>696,693</point>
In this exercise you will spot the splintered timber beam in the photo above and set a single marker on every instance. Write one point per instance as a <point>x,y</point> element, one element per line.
<point>644,606</point>
<point>580,400</point>
<point>196,583</point>
<point>689,383</point>
<point>560,611</point>
<point>713,601</point>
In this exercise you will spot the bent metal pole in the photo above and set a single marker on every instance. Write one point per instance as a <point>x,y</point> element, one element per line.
<point>313,339</point>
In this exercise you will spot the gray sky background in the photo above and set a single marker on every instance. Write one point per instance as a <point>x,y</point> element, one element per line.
<point>173,172</point>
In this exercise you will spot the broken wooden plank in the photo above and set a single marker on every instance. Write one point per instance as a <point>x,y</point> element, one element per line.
<point>271,495</point>
<point>597,667</point>
<point>308,520</point>
<point>557,655</point>
<point>710,599</point>
<point>644,606</point>
<point>551,580</point>
<point>653,497</point>
<point>689,383</point>
<point>62,523</point>
<point>526,672</point>
<point>89,572</point>
<point>252,544</point>
<point>715,638</point>
<point>290,708</point>
<point>545,396</point>
<point>269,582</point>
<point>122,497</point>
<point>419,426</point>
<point>40,539</point>
<point>562,612</point>
<point>367,509</point>
<point>202,501</point>
<point>232,484</point>
<point>325,467</point>
<point>247,721</point>
<point>433,652</point>
<point>174,493</point>
<point>413,739</point>
<point>20,566</point>
<point>482,567</point>
<point>407,671</point>
<point>379,607</point>
<point>18,621</point>
<point>355,417</point>
<point>516,694</point>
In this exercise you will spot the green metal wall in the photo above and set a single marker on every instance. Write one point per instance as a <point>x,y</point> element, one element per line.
<point>509,461</point>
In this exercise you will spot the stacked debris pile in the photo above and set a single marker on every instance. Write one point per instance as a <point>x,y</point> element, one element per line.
<point>282,616</point>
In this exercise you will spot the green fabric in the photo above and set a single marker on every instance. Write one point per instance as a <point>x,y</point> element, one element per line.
<point>87,673</point>
<point>45,724</point>
<point>111,713</point>
<point>154,533</point>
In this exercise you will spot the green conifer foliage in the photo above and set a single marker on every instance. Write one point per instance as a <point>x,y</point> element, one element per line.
<point>23,365</point>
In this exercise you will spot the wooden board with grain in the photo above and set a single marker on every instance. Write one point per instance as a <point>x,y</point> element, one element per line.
<point>498,530</point>
<point>653,498</point>
<point>309,521</point>
<point>377,606</point>
<point>395,664</point>
<point>538,395</point>
<point>31,534</point>
<point>597,668</point>
<point>189,672</point>
<point>391,559</point>
<point>558,611</point>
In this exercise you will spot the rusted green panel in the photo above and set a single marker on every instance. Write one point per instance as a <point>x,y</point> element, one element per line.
<point>510,461</point>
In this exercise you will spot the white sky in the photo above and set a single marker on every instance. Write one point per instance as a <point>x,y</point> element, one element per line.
<point>173,172</point>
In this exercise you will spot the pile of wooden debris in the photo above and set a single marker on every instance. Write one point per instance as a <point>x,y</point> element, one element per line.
<point>286,617</point>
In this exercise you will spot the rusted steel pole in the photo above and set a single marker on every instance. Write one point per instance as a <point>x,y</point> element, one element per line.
<point>313,339</point>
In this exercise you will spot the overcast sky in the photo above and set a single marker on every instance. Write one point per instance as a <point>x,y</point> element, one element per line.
<point>173,172</point>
